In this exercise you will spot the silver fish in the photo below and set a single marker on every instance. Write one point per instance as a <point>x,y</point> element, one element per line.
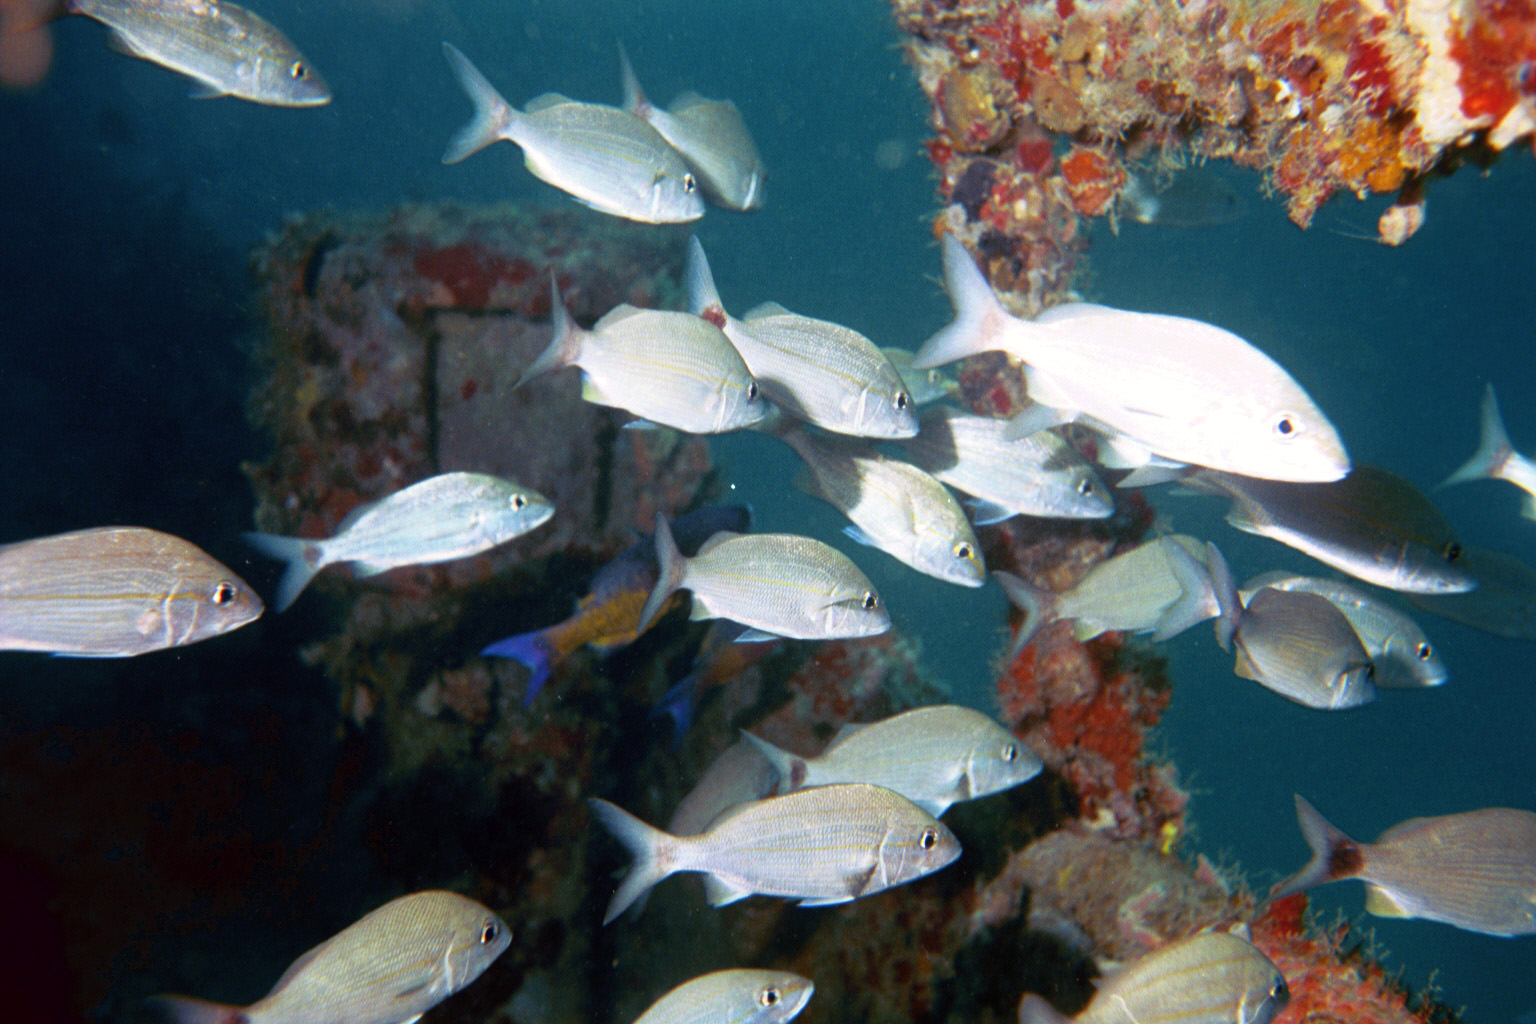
<point>816,371</point>
<point>1185,390</point>
<point>1158,587</point>
<point>740,774</point>
<point>448,516</point>
<point>820,846</point>
<point>1504,602</point>
<point>1303,648</point>
<point>1373,525</point>
<point>669,368</point>
<point>925,386</point>
<point>894,507</point>
<point>711,136</point>
<point>1191,198</point>
<point>776,584</point>
<point>1403,656</point>
<point>227,49</point>
<point>1039,475</point>
<point>1475,870</point>
<point>115,592</point>
<point>605,157</point>
<point>933,756</point>
<point>733,997</point>
<point>1209,978</point>
<point>389,968</point>
<point>1496,458</point>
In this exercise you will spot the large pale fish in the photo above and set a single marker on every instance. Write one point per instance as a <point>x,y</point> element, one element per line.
<point>775,584</point>
<point>672,369</point>
<point>1504,602</point>
<point>816,371</point>
<point>739,775</point>
<point>711,136</point>
<point>1159,587</point>
<point>1403,656</point>
<point>894,506</point>
<point>448,516</point>
<point>1209,978</point>
<point>1373,525</point>
<point>605,157</point>
<point>1496,458</point>
<point>226,49</point>
<point>1185,390</point>
<point>820,846</point>
<point>389,968</point>
<point>114,592</point>
<point>933,756</point>
<point>739,996</point>
<point>1302,647</point>
<point>607,616</point>
<point>1475,870</point>
<point>1039,475</point>
<point>925,386</point>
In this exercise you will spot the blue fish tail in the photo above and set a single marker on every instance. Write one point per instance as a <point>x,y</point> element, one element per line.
<point>679,703</point>
<point>533,651</point>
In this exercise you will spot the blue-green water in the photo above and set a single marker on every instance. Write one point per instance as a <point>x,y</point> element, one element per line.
<point>127,208</point>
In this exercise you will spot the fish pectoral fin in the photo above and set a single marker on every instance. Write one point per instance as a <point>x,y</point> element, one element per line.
<point>826,901</point>
<point>720,892</point>
<point>370,568</point>
<point>756,636</point>
<point>858,881</point>
<point>1382,903</point>
<point>858,536</point>
<point>206,91</point>
<point>985,513</point>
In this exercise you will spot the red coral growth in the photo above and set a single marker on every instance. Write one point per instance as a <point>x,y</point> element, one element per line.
<point>471,272</point>
<point>1498,38</point>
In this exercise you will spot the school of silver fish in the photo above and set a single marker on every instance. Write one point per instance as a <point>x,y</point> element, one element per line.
<point>1165,397</point>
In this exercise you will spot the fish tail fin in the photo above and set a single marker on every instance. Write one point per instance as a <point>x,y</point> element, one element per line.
<point>565,344</point>
<point>1493,447</point>
<point>679,704</point>
<point>670,564</point>
<point>1038,606</point>
<point>703,297</point>
<point>976,307</point>
<point>1035,1010</point>
<point>493,118</point>
<point>634,96</point>
<point>533,650</point>
<point>186,1010</point>
<point>790,769</point>
<point>1229,604</point>
<point>1334,854</point>
<point>645,843</point>
<point>305,558</point>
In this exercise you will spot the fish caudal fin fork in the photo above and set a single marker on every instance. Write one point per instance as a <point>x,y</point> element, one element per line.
<point>1334,854</point>
<point>1493,448</point>
<point>975,305</point>
<point>533,651</point>
<point>493,118</point>
<point>644,843</point>
<point>564,346</point>
<point>304,560</point>
<point>1037,605</point>
<point>671,563</point>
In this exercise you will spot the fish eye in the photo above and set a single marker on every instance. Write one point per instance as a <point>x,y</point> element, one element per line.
<point>965,551</point>
<point>1085,487</point>
<point>1452,551</point>
<point>1370,670</point>
<point>297,71</point>
<point>751,390</point>
<point>1010,752</point>
<point>902,400</point>
<point>768,997</point>
<point>871,601</point>
<point>519,502</point>
<point>1279,992</point>
<point>1285,426</point>
<point>223,593</point>
<point>930,838</point>
<point>1424,652</point>
<point>490,933</point>
<point>689,184</point>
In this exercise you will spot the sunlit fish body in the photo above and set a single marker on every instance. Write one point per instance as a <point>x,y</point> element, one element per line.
<point>1475,870</point>
<point>605,157</point>
<point>1191,198</point>
<point>1159,587</point>
<point>1373,525</point>
<point>1209,978</point>
<point>1184,390</point>
<point>608,615</point>
<point>775,584</point>
<point>1403,656</point>
<point>925,386</point>
<point>1302,647</point>
<point>894,506</point>
<point>933,756</point>
<point>1038,475</point>
<point>114,592</point>
<point>820,846</point>
<point>733,997</point>
<point>1496,458</point>
<point>389,968</point>
<point>672,369</point>
<point>816,371</point>
<point>226,49</point>
<point>1504,602</point>
<point>448,516</point>
<point>711,136</point>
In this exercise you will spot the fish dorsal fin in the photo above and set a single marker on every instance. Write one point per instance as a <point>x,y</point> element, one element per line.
<point>545,101</point>
<point>1381,903</point>
<point>687,99</point>
<point>715,540</point>
<point>350,519</point>
<point>848,729</point>
<point>623,311</point>
<point>765,309</point>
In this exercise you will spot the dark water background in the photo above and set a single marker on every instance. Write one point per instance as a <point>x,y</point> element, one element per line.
<point>126,210</point>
